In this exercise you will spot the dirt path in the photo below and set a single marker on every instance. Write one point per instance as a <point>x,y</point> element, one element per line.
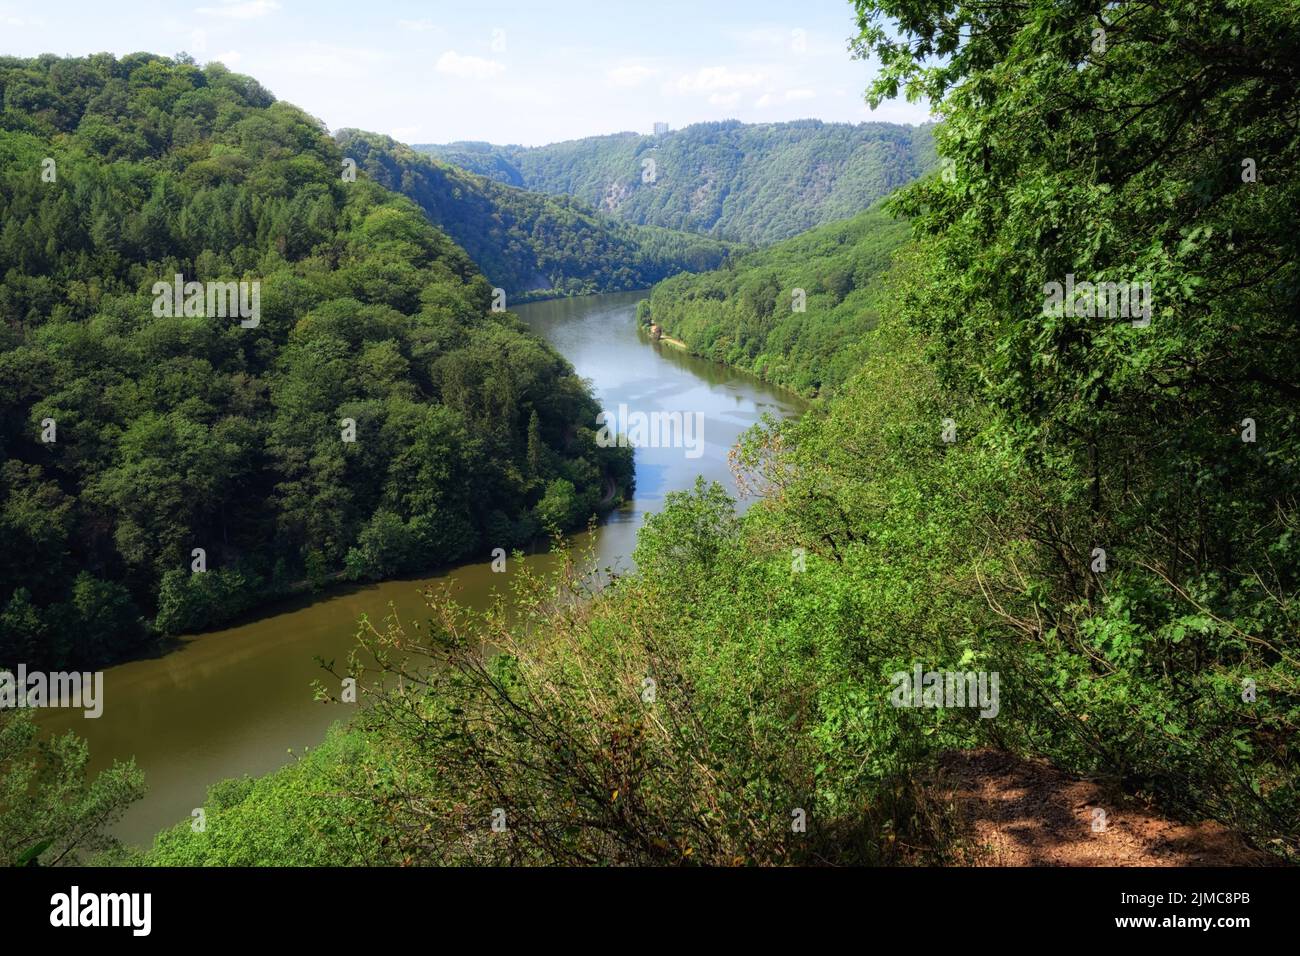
<point>1016,812</point>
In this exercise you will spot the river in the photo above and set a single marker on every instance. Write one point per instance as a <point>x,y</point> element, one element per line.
<point>239,700</point>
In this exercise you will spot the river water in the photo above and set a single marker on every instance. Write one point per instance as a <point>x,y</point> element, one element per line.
<point>239,701</point>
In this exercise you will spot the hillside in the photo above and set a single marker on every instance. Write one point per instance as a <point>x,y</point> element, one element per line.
<point>750,314</point>
<point>1089,520</point>
<point>748,183</point>
<point>531,244</point>
<point>134,433</point>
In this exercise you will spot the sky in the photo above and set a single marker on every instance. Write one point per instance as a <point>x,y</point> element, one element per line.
<point>505,72</point>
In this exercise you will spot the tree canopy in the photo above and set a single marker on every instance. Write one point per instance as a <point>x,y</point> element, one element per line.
<point>531,244</point>
<point>131,438</point>
<point>795,313</point>
<point>750,183</point>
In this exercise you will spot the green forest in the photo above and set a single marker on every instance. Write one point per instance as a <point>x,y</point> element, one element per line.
<point>176,433</point>
<point>795,313</point>
<point>1101,508</point>
<point>750,183</point>
<point>531,244</point>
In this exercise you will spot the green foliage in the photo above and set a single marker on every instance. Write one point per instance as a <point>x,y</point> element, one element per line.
<point>944,506</point>
<point>190,601</point>
<point>770,641</point>
<point>749,183</point>
<point>385,546</point>
<point>531,244</point>
<point>185,432</point>
<point>50,813</point>
<point>294,817</point>
<point>941,507</point>
<point>684,539</point>
<point>560,506</point>
<point>664,723</point>
<point>747,314</point>
<point>767,687</point>
<point>1113,146</point>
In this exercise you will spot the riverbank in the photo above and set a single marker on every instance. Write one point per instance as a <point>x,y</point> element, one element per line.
<point>235,701</point>
<point>656,336</point>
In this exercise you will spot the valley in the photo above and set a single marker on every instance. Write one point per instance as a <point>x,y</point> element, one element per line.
<point>783,487</point>
<point>239,700</point>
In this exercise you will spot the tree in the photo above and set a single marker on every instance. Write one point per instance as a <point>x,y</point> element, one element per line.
<point>384,547</point>
<point>185,432</point>
<point>536,447</point>
<point>558,508</point>
<point>1108,265</point>
<point>50,812</point>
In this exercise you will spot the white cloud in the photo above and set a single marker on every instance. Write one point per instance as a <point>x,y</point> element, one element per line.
<point>404,134</point>
<point>630,74</point>
<point>416,26</point>
<point>724,99</point>
<point>468,67</point>
<point>229,58</point>
<point>241,9</point>
<point>710,79</point>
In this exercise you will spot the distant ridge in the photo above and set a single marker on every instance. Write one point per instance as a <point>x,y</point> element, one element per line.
<point>531,244</point>
<point>750,183</point>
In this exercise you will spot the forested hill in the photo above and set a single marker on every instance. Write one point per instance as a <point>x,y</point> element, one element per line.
<point>796,312</point>
<point>750,183</point>
<point>134,435</point>
<point>1096,515</point>
<point>531,244</point>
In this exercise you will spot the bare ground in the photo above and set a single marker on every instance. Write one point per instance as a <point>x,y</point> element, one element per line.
<point>1011,811</point>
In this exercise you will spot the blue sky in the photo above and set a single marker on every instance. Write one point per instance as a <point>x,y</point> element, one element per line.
<point>507,72</point>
